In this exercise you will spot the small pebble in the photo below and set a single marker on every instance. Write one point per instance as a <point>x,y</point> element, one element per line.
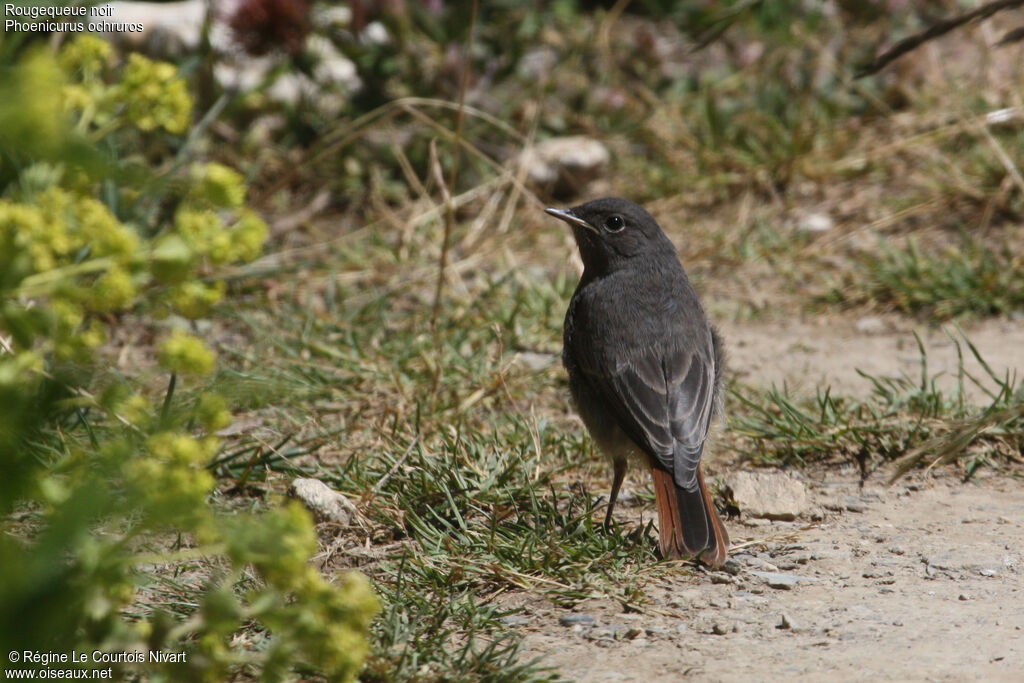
<point>719,629</point>
<point>870,325</point>
<point>785,623</point>
<point>658,631</point>
<point>574,618</point>
<point>815,223</point>
<point>597,634</point>
<point>782,581</point>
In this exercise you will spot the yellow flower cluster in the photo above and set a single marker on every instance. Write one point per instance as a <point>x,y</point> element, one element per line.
<point>183,353</point>
<point>199,221</point>
<point>149,96</point>
<point>172,480</point>
<point>194,299</point>
<point>208,237</point>
<point>216,185</point>
<point>325,621</point>
<point>58,227</point>
<point>86,55</point>
<point>154,95</point>
<point>70,249</point>
<point>212,412</point>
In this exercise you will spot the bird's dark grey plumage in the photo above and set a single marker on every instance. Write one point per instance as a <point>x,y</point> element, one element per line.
<point>645,366</point>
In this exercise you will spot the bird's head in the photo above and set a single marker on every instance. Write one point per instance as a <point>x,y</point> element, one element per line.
<point>611,232</point>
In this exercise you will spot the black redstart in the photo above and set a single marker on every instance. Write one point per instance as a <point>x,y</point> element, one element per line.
<point>645,367</point>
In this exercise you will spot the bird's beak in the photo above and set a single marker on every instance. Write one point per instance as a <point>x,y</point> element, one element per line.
<point>572,219</point>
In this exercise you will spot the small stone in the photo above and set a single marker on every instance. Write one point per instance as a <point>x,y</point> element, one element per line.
<point>782,581</point>
<point>964,597</point>
<point>514,620</point>
<point>761,564</point>
<point>870,325</point>
<point>565,165</point>
<point>767,495</point>
<point>598,634</point>
<point>326,504</point>
<point>535,362</point>
<point>720,629</point>
<point>875,574</point>
<point>988,572</point>
<point>634,633</point>
<point>815,223</point>
<point>854,505</point>
<point>722,577</point>
<point>785,623</point>
<point>575,618</point>
<point>731,566</point>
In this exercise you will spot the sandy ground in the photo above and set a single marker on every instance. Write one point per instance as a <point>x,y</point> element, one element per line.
<point>829,350</point>
<point>923,580</point>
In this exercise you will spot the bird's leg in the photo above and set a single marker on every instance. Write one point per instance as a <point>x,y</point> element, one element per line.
<point>619,474</point>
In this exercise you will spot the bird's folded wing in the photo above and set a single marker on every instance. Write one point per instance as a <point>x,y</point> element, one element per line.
<point>663,401</point>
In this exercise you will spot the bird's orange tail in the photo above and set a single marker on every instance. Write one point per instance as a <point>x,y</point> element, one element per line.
<point>688,523</point>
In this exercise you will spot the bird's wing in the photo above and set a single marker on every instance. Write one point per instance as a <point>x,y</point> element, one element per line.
<point>663,400</point>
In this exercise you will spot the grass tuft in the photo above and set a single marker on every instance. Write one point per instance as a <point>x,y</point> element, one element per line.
<point>972,280</point>
<point>905,421</point>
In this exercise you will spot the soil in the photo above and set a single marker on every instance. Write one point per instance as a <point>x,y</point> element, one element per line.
<point>922,580</point>
<point>822,351</point>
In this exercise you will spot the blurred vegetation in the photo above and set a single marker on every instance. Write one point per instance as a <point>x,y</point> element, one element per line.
<point>96,474</point>
<point>201,302</point>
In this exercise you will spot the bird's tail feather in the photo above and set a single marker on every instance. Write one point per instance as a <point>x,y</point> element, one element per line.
<point>688,523</point>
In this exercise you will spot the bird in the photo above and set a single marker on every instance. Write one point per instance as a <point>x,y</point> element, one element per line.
<point>645,368</point>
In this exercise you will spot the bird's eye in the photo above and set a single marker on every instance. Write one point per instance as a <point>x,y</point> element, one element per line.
<point>614,223</point>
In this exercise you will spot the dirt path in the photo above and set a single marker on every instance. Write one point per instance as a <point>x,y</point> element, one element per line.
<point>829,350</point>
<point>920,581</point>
<point>915,582</point>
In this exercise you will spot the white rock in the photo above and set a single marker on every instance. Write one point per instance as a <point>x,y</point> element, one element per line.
<point>564,164</point>
<point>870,325</point>
<point>326,504</point>
<point>815,223</point>
<point>767,495</point>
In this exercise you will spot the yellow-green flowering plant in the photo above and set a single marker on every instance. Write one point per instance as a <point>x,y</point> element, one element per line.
<point>79,246</point>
